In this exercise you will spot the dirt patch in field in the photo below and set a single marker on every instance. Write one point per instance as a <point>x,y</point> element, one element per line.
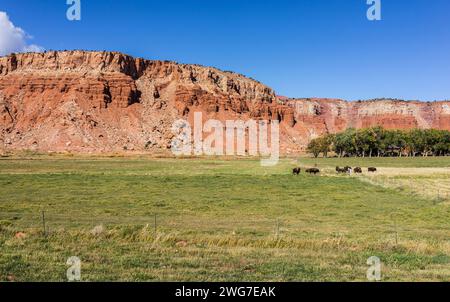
<point>412,171</point>
<point>430,183</point>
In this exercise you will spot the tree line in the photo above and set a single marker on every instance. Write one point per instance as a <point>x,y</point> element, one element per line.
<point>380,142</point>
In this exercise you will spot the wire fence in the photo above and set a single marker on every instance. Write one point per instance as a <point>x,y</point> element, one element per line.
<point>49,223</point>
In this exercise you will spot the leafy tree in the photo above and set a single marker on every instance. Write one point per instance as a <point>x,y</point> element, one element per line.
<point>376,140</point>
<point>315,147</point>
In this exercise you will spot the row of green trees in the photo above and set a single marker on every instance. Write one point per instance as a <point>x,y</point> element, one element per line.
<point>380,142</point>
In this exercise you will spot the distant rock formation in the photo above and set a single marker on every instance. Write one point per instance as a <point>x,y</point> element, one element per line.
<point>101,102</point>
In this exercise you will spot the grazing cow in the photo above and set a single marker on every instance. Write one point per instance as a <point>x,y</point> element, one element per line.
<point>296,171</point>
<point>346,169</point>
<point>372,169</point>
<point>340,170</point>
<point>358,170</point>
<point>313,171</point>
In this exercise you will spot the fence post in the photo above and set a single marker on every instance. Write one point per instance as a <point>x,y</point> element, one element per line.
<point>396,231</point>
<point>411,187</point>
<point>43,223</point>
<point>155,225</point>
<point>277,230</point>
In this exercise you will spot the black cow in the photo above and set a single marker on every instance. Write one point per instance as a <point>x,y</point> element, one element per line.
<point>313,171</point>
<point>372,169</point>
<point>341,170</point>
<point>358,170</point>
<point>297,171</point>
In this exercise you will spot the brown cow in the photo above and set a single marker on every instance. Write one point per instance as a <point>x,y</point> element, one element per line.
<point>358,170</point>
<point>313,171</point>
<point>296,171</point>
<point>340,170</point>
<point>372,169</point>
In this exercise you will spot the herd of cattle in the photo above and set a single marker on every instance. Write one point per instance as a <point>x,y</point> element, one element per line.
<point>339,170</point>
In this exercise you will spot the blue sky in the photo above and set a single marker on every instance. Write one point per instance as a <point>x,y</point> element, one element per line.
<point>301,48</point>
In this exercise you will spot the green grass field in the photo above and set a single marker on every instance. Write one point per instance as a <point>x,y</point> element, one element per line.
<point>222,220</point>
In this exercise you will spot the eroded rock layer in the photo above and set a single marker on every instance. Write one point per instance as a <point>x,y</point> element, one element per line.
<point>96,102</point>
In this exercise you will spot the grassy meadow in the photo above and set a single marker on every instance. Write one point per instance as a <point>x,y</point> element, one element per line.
<point>223,220</point>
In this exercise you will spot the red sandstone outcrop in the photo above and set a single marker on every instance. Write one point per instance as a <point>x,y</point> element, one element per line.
<point>108,102</point>
<point>321,116</point>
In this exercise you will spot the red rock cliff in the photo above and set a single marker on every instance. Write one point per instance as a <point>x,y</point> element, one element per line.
<point>108,102</point>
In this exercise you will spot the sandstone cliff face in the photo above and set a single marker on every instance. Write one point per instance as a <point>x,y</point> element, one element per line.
<point>108,102</point>
<point>93,102</point>
<point>316,117</point>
